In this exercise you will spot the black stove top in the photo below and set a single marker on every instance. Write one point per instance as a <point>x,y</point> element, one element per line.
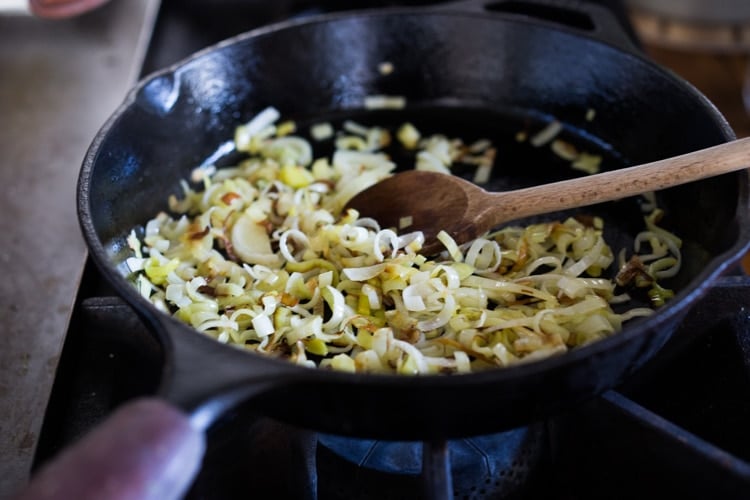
<point>678,428</point>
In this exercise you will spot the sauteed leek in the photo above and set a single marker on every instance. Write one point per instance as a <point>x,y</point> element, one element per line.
<point>262,257</point>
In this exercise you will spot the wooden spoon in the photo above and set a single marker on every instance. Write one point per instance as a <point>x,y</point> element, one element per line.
<point>431,202</point>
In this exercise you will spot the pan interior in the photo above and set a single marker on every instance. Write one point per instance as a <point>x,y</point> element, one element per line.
<point>519,163</point>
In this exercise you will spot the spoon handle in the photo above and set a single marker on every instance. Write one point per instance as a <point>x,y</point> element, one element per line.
<point>617,184</point>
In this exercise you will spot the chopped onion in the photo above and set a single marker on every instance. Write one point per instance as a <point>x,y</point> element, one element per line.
<point>264,256</point>
<point>384,102</point>
<point>549,132</point>
<point>246,132</point>
<point>442,318</point>
<point>363,273</point>
<point>321,131</point>
<point>263,325</point>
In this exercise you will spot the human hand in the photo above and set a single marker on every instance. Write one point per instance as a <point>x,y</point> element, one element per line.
<point>146,450</point>
<point>62,8</point>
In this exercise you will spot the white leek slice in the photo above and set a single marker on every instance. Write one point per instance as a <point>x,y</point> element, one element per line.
<point>250,242</point>
<point>245,133</point>
<point>363,273</point>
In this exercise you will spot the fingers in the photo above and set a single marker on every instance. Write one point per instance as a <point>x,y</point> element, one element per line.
<point>147,450</point>
<point>63,8</point>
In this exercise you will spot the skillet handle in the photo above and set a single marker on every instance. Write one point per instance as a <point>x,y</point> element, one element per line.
<point>588,19</point>
<point>206,378</point>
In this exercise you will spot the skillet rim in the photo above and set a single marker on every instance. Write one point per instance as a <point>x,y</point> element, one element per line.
<point>164,326</point>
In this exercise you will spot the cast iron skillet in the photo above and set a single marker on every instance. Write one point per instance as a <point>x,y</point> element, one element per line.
<point>480,69</point>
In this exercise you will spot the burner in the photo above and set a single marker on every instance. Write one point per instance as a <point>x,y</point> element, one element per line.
<point>493,466</point>
<point>259,457</point>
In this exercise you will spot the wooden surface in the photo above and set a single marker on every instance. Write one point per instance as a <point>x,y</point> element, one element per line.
<point>719,76</point>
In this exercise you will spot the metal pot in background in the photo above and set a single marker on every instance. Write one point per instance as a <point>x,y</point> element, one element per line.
<point>699,11</point>
<point>693,25</point>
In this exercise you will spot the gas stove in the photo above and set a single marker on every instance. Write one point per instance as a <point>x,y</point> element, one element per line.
<point>677,428</point>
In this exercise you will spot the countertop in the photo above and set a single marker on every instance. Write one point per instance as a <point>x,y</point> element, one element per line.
<point>59,81</point>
